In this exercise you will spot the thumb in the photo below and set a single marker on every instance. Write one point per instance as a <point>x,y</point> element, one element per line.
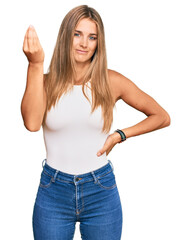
<point>100,152</point>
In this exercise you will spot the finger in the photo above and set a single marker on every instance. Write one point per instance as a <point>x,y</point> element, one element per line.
<point>34,33</point>
<point>107,148</point>
<point>104,148</point>
<point>99,153</point>
<point>25,42</point>
<point>30,37</point>
<point>33,39</point>
<point>36,42</point>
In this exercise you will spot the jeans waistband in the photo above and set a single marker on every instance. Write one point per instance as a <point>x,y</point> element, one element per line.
<point>77,178</point>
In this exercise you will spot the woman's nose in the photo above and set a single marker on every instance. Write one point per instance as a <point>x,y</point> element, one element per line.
<point>83,42</point>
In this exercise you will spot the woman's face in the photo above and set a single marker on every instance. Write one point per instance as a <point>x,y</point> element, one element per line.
<point>85,40</point>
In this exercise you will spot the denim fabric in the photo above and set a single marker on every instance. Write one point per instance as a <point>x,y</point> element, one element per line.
<point>63,199</point>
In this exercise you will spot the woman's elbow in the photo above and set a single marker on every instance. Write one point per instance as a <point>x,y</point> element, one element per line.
<point>166,119</point>
<point>31,127</point>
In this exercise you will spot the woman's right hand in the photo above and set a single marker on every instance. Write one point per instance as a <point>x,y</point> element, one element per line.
<point>32,48</point>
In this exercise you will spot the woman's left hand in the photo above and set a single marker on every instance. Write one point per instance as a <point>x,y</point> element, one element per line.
<point>110,142</point>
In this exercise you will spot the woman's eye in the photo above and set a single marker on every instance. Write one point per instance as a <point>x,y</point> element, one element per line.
<point>93,38</point>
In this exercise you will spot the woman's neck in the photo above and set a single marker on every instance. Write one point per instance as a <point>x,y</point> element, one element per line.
<point>80,72</point>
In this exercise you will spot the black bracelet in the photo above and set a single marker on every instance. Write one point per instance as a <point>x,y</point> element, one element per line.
<point>122,134</point>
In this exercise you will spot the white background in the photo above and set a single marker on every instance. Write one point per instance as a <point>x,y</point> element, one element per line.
<point>150,43</point>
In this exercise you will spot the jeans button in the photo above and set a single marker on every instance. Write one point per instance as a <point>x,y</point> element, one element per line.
<point>77,179</point>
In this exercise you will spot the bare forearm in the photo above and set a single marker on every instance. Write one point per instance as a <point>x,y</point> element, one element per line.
<point>33,102</point>
<point>149,124</point>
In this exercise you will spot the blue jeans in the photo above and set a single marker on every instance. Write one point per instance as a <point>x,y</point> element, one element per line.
<point>63,199</point>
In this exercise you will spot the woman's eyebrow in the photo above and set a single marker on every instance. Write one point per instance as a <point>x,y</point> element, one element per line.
<point>89,34</point>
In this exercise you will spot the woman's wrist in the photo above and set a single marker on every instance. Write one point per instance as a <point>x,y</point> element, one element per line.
<point>116,137</point>
<point>36,65</point>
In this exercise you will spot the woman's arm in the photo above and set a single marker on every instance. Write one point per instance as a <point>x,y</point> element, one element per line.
<point>34,100</point>
<point>33,104</point>
<point>126,90</point>
<point>157,117</point>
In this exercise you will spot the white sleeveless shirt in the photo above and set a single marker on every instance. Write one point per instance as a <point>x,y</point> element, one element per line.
<point>72,135</point>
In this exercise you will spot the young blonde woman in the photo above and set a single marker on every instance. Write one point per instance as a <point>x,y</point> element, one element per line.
<point>74,104</point>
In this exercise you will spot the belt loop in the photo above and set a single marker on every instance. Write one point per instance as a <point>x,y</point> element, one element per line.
<point>43,162</point>
<point>54,178</point>
<point>94,177</point>
<point>111,164</point>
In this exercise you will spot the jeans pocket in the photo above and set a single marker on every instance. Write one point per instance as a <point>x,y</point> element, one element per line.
<point>107,181</point>
<point>45,180</point>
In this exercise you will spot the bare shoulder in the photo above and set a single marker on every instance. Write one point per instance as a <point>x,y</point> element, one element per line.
<point>113,84</point>
<point>117,81</point>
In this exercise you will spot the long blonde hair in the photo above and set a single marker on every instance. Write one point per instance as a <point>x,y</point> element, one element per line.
<point>61,75</point>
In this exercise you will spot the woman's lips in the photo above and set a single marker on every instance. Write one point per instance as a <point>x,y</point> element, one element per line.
<point>81,52</point>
